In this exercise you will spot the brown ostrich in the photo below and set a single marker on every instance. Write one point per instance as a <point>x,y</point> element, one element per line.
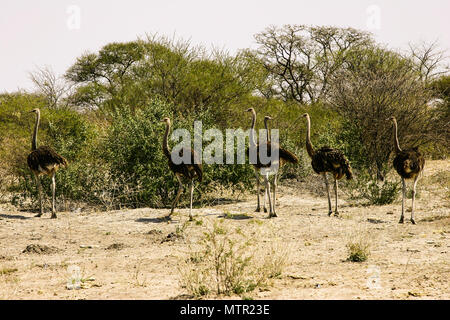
<point>409,164</point>
<point>330,160</point>
<point>44,161</point>
<point>189,171</point>
<point>267,169</point>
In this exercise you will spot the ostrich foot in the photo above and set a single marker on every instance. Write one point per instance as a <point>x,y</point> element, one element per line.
<point>273,215</point>
<point>38,215</point>
<point>330,213</point>
<point>401,219</point>
<point>265,210</point>
<point>53,216</point>
<point>258,209</point>
<point>412,221</point>
<point>336,214</point>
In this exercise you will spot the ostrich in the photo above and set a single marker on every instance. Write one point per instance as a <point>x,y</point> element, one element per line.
<point>189,171</point>
<point>285,156</point>
<point>264,169</point>
<point>330,160</point>
<point>409,164</point>
<point>44,161</point>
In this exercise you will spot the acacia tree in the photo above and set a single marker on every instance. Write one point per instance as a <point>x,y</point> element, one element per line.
<point>54,88</point>
<point>301,59</point>
<point>373,85</point>
<point>193,80</point>
<point>429,60</point>
<point>104,77</point>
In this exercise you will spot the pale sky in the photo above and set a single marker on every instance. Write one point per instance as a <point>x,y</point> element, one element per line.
<point>52,33</point>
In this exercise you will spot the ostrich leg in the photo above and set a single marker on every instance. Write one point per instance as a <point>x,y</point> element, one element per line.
<point>267,183</point>
<point>275,182</point>
<point>265,200</point>
<point>336,213</point>
<point>192,196</point>
<point>403,200</point>
<point>328,193</point>
<point>53,197</point>
<point>258,207</point>
<point>38,183</point>
<point>413,197</point>
<point>180,189</point>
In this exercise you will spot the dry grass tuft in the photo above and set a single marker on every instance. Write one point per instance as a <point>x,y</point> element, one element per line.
<point>228,262</point>
<point>358,247</point>
<point>7,271</point>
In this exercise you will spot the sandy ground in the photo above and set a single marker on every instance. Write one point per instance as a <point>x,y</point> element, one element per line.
<point>129,254</point>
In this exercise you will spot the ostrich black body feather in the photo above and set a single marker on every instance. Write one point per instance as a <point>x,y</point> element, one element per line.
<point>327,159</point>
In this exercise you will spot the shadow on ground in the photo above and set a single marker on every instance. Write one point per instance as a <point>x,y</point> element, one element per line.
<point>155,220</point>
<point>11,216</point>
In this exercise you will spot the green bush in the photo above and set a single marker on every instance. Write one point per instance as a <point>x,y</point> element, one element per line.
<point>70,132</point>
<point>381,193</point>
<point>133,148</point>
<point>375,192</point>
<point>351,136</point>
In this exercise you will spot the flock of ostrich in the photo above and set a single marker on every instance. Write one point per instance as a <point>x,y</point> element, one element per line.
<point>408,163</point>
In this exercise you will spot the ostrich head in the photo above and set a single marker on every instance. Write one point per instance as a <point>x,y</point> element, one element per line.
<point>391,119</point>
<point>166,120</point>
<point>250,110</point>
<point>36,110</point>
<point>305,115</point>
<point>268,118</point>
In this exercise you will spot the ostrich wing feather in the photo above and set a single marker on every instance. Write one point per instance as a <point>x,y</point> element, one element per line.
<point>331,160</point>
<point>409,163</point>
<point>45,157</point>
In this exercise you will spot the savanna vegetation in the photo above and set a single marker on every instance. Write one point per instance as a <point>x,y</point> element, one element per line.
<point>104,113</point>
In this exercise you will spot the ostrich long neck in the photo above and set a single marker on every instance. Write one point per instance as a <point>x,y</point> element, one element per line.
<point>165,141</point>
<point>252,130</point>
<point>396,144</point>
<point>309,146</point>
<point>267,129</point>
<point>36,126</point>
